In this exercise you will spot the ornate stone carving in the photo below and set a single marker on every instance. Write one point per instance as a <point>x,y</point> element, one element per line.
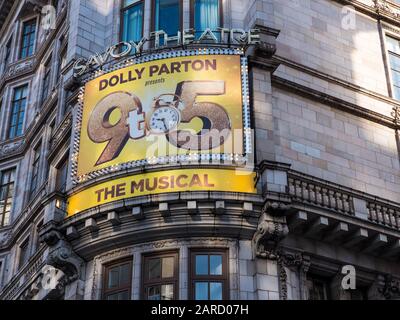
<point>63,257</point>
<point>17,68</point>
<point>396,115</point>
<point>5,237</point>
<point>381,6</point>
<point>271,228</point>
<point>11,147</point>
<point>288,260</point>
<point>391,288</point>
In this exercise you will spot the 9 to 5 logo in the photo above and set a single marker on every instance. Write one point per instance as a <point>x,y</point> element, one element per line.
<point>167,112</point>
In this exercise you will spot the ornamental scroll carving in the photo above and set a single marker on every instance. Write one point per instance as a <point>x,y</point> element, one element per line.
<point>7,149</point>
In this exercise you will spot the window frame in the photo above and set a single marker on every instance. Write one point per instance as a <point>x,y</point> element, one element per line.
<point>106,267</point>
<point>8,189</point>
<point>153,18</point>
<point>174,279</point>
<point>192,15</point>
<point>224,278</point>
<point>7,59</point>
<point>36,160</point>
<point>315,278</point>
<point>38,226</point>
<point>121,17</point>
<point>21,263</point>
<point>64,161</point>
<point>9,126</point>
<point>47,77</point>
<point>21,40</point>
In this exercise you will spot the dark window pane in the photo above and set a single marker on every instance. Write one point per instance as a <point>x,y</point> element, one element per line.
<point>28,38</point>
<point>216,265</point>
<point>132,23</point>
<point>164,11</point>
<point>154,268</point>
<point>17,112</point>
<point>201,264</point>
<point>113,278</point>
<point>154,293</point>
<point>6,195</point>
<point>124,295</point>
<point>201,291</point>
<point>206,15</point>
<point>23,253</point>
<point>124,274</point>
<point>215,291</point>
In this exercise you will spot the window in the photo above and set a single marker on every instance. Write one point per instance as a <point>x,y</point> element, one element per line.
<point>61,179</point>
<point>164,10</point>
<point>317,288</point>
<point>393,46</point>
<point>117,280</point>
<point>23,253</point>
<point>1,274</point>
<point>160,276</point>
<point>18,111</point>
<point>38,227</point>
<point>35,170</point>
<point>6,195</point>
<point>206,14</point>
<point>7,56</point>
<point>28,38</point>
<point>132,20</point>
<point>46,79</point>
<point>62,62</point>
<point>209,275</point>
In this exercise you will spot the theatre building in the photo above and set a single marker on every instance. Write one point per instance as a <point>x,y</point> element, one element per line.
<point>199,149</point>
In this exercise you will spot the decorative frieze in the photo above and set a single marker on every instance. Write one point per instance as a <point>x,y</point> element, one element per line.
<point>20,67</point>
<point>9,148</point>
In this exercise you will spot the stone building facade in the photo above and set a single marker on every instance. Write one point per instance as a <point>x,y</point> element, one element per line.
<point>326,119</point>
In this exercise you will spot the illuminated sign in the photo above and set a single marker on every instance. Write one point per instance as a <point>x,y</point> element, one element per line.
<point>163,111</point>
<point>161,39</point>
<point>161,182</point>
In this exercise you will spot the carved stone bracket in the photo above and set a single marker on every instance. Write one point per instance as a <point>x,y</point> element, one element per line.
<point>63,257</point>
<point>271,229</point>
<point>391,288</point>
<point>381,6</point>
<point>396,115</point>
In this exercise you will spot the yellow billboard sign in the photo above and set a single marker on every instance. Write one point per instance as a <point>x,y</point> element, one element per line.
<point>161,182</point>
<point>161,108</point>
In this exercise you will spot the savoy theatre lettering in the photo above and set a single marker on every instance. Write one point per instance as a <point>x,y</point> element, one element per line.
<point>161,39</point>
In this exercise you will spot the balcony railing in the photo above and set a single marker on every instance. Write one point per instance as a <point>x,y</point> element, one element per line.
<point>321,195</point>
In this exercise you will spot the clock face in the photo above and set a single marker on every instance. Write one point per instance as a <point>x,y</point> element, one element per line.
<point>164,119</point>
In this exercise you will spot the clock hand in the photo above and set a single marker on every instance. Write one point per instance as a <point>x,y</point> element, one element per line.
<point>165,125</point>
